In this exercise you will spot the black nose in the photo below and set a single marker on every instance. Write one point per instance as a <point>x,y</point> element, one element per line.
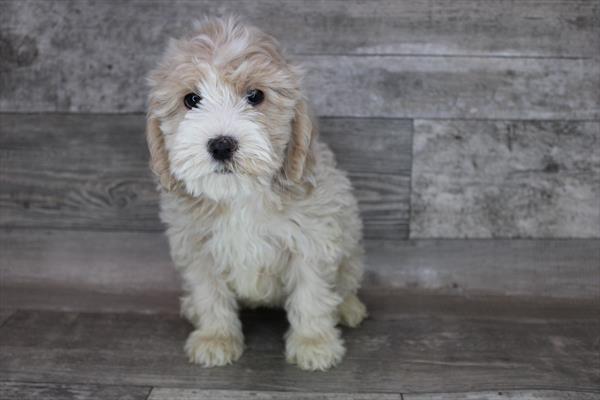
<point>222,147</point>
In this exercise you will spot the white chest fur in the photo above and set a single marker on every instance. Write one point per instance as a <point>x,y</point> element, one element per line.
<point>250,253</point>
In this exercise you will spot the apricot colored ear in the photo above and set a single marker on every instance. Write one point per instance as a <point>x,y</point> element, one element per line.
<point>159,159</point>
<point>299,155</point>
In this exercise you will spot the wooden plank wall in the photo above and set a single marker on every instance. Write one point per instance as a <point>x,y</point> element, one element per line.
<point>455,119</point>
<point>90,171</point>
<point>372,68</point>
<point>97,53</point>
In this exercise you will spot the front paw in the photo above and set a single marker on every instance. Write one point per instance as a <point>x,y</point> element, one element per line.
<point>210,350</point>
<point>314,352</point>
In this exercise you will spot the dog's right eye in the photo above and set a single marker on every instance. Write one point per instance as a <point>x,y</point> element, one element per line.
<point>191,100</point>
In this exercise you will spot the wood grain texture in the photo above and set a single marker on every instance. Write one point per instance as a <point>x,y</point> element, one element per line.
<point>454,87</point>
<point>66,297</point>
<point>139,263</point>
<point>76,171</point>
<point>50,391</point>
<point>34,78</point>
<point>91,171</point>
<point>117,262</point>
<point>560,28</point>
<point>377,155</point>
<point>383,303</point>
<point>193,394</point>
<point>371,86</point>
<point>424,353</point>
<point>198,394</point>
<point>506,395</point>
<point>489,179</point>
<point>5,314</point>
<point>544,268</point>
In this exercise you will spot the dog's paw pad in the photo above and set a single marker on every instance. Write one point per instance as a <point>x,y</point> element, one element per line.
<point>213,350</point>
<point>352,311</point>
<point>314,353</point>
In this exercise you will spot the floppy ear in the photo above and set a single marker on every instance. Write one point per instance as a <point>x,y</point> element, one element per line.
<point>159,159</point>
<point>300,158</point>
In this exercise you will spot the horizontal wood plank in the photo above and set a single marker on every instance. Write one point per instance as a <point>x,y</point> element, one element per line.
<point>91,171</point>
<point>545,268</point>
<point>5,314</point>
<point>467,86</point>
<point>370,86</point>
<point>377,154</point>
<point>66,297</point>
<point>117,262</point>
<point>51,391</point>
<point>423,353</point>
<point>490,179</point>
<point>450,87</point>
<point>563,28</point>
<point>76,171</point>
<point>137,265</point>
<point>506,395</point>
<point>383,303</point>
<point>199,394</point>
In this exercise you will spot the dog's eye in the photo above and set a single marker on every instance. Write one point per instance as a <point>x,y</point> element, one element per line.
<point>191,100</point>
<point>255,96</point>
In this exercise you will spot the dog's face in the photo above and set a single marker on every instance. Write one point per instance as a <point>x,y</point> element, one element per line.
<point>226,114</point>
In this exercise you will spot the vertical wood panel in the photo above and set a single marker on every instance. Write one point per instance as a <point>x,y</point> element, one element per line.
<point>489,179</point>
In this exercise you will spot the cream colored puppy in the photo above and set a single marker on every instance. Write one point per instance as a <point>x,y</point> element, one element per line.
<point>256,210</point>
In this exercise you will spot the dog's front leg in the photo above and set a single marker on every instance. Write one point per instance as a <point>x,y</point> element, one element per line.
<point>312,342</point>
<point>218,338</point>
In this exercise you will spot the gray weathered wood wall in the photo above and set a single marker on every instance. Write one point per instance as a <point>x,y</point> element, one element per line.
<point>455,119</point>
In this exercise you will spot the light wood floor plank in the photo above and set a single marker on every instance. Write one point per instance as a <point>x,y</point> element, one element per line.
<point>418,353</point>
<point>198,394</point>
<point>51,391</point>
<point>506,395</point>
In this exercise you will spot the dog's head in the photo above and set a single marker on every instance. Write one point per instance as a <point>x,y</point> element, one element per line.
<point>226,113</point>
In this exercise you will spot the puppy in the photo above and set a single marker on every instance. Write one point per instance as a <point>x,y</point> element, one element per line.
<point>257,213</point>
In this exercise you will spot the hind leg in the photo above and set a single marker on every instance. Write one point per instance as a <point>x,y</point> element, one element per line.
<point>188,311</point>
<point>351,311</point>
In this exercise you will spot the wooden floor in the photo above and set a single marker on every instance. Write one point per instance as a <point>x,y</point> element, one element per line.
<point>412,347</point>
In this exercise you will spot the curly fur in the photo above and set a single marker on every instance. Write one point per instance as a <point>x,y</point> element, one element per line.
<point>275,226</point>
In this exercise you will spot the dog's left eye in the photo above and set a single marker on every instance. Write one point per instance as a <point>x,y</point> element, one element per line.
<point>255,96</point>
<point>191,100</point>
